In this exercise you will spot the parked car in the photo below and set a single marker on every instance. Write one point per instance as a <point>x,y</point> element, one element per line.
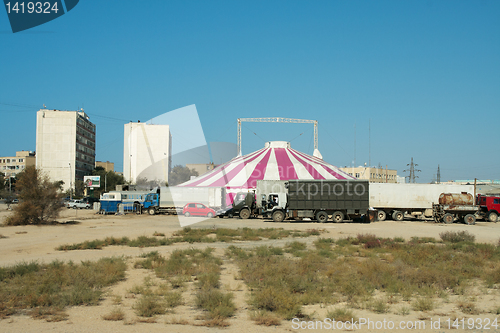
<point>197,209</point>
<point>78,204</point>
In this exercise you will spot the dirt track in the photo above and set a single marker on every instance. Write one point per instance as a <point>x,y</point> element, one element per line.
<point>28,243</point>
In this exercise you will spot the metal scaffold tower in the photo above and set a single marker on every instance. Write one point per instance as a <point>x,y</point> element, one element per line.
<point>280,120</point>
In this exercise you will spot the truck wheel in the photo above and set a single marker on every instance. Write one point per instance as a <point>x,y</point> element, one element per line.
<point>381,215</point>
<point>278,216</point>
<point>493,217</point>
<point>448,218</point>
<point>244,213</point>
<point>398,216</point>
<point>151,211</point>
<point>338,217</point>
<point>470,219</point>
<point>321,216</point>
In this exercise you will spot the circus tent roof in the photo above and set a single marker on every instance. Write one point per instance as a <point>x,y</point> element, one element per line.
<point>276,161</point>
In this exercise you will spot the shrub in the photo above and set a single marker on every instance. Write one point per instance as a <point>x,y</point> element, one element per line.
<point>276,300</point>
<point>457,236</point>
<point>39,199</point>
<point>379,306</point>
<point>217,303</point>
<point>149,305</point>
<point>265,318</point>
<point>423,304</point>
<point>115,315</point>
<point>342,314</point>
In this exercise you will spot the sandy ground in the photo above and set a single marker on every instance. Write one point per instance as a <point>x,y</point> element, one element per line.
<point>29,243</point>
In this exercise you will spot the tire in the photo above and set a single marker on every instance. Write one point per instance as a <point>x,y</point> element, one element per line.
<point>448,218</point>
<point>151,211</point>
<point>381,215</point>
<point>74,207</point>
<point>187,214</point>
<point>470,219</point>
<point>398,216</point>
<point>210,215</point>
<point>244,213</point>
<point>492,217</point>
<point>338,217</point>
<point>321,216</point>
<point>278,216</point>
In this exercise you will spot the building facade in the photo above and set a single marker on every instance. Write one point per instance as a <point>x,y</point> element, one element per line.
<point>107,166</point>
<point>373,175</point>
<point>10,166</point>
<point>65,145</point>
<point>147,152</point>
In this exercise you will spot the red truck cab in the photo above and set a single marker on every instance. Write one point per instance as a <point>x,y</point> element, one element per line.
<point>489,206</point>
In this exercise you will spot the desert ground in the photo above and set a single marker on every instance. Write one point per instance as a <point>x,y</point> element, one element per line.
<point>38,243</point>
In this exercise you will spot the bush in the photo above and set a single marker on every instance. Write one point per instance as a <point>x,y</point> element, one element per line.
<point>40,199</point>
<point>457,236</point>
<point>217,303</point>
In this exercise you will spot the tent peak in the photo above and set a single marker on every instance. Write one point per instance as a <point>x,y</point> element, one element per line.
<point>277,144</point>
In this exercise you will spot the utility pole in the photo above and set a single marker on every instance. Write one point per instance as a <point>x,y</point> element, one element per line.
<point>412,170</point>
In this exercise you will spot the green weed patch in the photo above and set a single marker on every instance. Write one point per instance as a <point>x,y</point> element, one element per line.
<point>44,290</point>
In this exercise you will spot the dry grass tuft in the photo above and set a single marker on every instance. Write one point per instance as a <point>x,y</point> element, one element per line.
<point>115,315</point>
<point>265,318</point>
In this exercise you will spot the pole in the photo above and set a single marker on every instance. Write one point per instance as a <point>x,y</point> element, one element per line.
<point>70,183</point>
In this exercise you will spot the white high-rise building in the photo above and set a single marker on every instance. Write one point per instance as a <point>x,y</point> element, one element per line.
<point>65,145</point>
<point>147,151</point>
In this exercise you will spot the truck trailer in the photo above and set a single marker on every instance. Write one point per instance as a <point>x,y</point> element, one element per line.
<point>396,200</point>
<point>314,199</point>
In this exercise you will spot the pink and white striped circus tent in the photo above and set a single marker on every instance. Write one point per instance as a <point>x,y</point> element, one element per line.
<point>276,161</point>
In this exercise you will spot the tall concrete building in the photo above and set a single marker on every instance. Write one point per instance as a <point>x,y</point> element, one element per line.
<point>65,145</point>
<point>147,151</point>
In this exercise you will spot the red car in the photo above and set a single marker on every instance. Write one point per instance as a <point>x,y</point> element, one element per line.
<point>197,209</point>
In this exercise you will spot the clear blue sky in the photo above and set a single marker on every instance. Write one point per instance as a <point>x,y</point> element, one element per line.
<point>425,74</point>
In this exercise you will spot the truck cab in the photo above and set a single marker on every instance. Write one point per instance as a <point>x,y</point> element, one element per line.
<point>151,203</point>
<point>274,205</point>
<point>489,206</point>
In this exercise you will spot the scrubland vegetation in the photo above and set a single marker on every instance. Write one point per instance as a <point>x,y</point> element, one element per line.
<point>346,275</point>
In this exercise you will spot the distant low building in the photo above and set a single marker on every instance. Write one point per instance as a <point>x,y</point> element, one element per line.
<point>10,166</point>
<point>373,175</point>
<point>201,168</point>
<point>107,166</point>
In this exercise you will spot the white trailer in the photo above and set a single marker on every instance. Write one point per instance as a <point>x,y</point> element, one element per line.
<point>174,198</point>
<point>395,200</point>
